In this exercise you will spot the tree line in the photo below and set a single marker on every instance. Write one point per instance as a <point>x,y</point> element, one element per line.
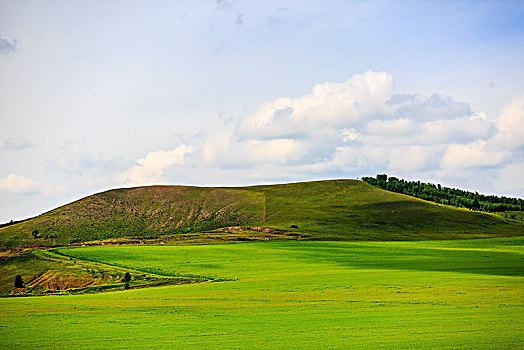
<point>446,195</point>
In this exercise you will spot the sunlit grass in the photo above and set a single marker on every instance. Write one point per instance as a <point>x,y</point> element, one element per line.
<point>448,294</point>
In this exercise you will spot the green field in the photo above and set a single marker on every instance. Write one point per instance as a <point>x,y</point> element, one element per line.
<point>445,294</point>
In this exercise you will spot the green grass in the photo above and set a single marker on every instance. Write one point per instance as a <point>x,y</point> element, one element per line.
<point>45,272</point>
<point>356,211</point>
<point>23,264</point>
<point>347,210</point>
<point>142,212</point>
<point>405,295</point>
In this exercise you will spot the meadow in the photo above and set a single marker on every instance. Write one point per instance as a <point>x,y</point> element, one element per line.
<point>290,294</point>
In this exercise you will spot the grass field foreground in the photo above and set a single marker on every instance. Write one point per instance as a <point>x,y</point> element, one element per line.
<point>446,294</point>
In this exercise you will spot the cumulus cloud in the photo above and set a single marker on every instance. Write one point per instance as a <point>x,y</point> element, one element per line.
<point>364,126</point>
<point>403,131</point>
<point>434,107</point>
<point>18,184</point>
<point>399,126</point>
<point>17,144</point>
<point>334,105</point>
<point>414,158</point>
<point>7,46</point>
<point>509,179</point>
<point>151,168</point>
<point>475,154</point>
<point>511,125</point>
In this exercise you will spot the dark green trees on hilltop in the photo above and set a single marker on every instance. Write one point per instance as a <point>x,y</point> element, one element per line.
<point>446,195</point>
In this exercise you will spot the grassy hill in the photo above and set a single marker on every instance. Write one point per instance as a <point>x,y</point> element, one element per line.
<point>142,212</point>
<point>328,210</point>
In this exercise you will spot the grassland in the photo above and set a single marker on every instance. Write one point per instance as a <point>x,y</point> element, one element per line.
<point>323,270</point>
<point>346,210</point>
<point>440,294</point>
<point>46,272</point>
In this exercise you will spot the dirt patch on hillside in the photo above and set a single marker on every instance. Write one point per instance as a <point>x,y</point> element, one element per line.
<point>240,229</point>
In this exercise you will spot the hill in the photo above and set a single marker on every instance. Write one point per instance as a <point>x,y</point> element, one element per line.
<point>142,212</point>
<point>327,210</point>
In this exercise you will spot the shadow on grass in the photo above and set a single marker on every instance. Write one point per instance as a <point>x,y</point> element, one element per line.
<point>446,257</point>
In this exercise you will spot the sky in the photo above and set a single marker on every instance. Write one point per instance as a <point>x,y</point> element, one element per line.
<point>97,95</point>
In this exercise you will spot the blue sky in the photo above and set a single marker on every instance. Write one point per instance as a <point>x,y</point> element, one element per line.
<point>97,95</point>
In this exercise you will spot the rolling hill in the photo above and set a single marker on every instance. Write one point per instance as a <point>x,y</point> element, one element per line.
<point>346,210</point>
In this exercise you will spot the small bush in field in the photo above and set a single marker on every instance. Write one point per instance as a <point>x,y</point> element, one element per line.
<point>19,282</point>
<point>127,277</point>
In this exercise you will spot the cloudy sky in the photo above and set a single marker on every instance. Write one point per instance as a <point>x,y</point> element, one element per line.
<point>103,94</point>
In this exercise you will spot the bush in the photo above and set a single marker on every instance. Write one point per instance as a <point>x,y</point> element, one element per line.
<point>127,277</point>
<point>35,233</point>
<point>19,282</point>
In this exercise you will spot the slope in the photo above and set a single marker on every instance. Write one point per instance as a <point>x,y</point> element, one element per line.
<point>327,210</point>
<point>355,210</point>
<point>142,212</point>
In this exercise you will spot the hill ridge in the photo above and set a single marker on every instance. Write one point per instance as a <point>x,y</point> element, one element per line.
<point>336,209</point>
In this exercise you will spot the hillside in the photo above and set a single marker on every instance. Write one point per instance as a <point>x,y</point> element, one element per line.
<point>329,210</point>
<point>142,212</point>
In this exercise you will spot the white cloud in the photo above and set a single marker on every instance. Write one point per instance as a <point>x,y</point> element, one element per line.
<point>384,129</point>
<point>151,168</point>
<point>226,151</point>
<point>434,107</point>
<point>414,158</point>
<point>510,179</point>
<point>511,125</point>
<point>18,184</point>
<point>472,155</point>
<point>334,105</point>
<point>390,127</point>
<point>362,127</point>
<point>349,135</point>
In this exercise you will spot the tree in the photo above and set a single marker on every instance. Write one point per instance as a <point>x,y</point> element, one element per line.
<point>35,233</point>
<point>382,177</point>
<point>127,277</point>
<point>19,282</point>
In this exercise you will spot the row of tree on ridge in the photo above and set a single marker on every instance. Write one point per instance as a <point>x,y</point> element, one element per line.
<point>446,195</point>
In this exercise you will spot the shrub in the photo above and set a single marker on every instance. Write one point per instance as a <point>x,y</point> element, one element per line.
<point>35,233</point>
<point>127,277</point>
<point>19,282</point>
